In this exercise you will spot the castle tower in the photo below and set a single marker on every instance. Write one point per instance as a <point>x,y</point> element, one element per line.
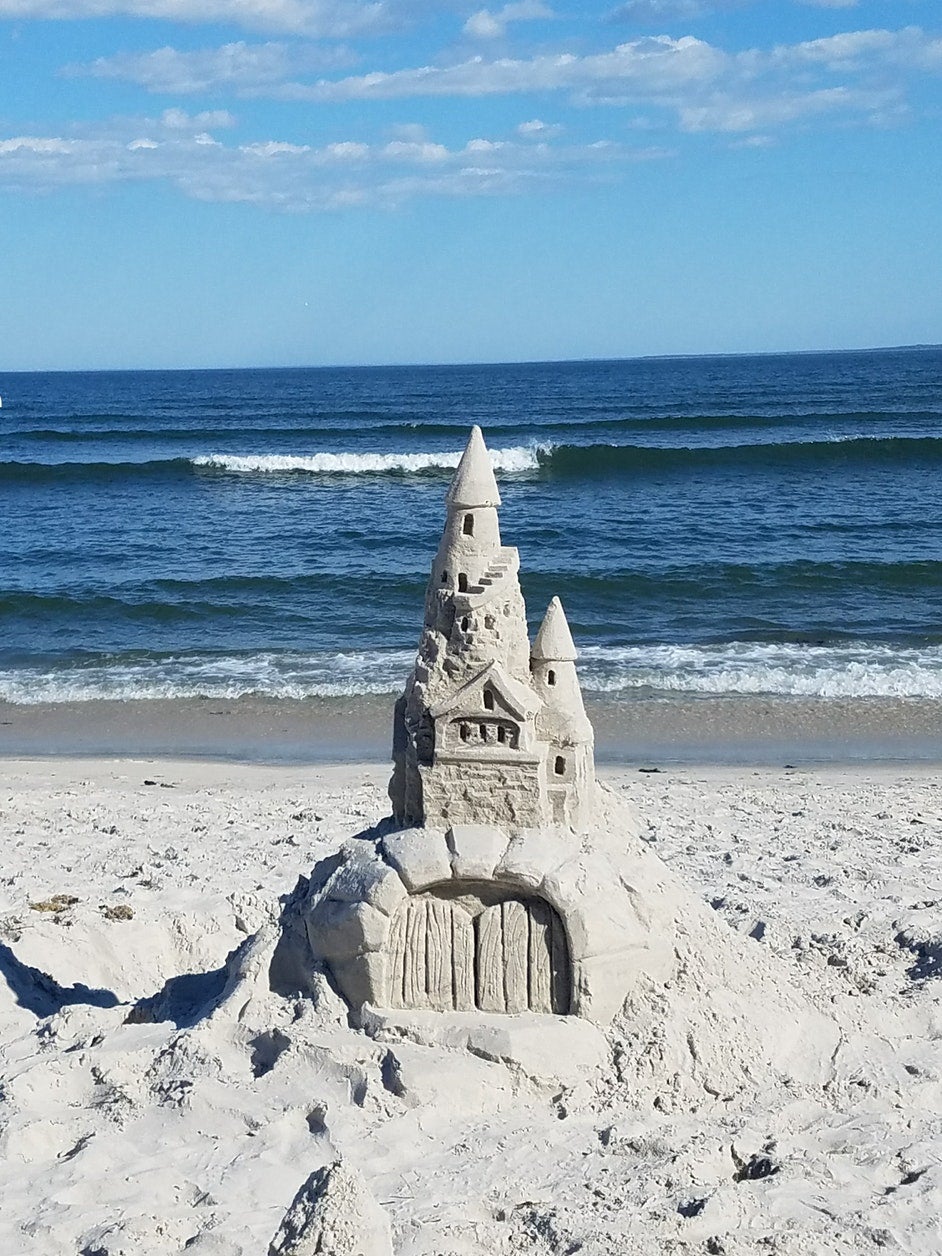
<point>475,740</point>
<point>562,722</point>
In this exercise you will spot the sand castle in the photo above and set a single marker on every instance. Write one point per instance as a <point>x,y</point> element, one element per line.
<point>499,885</point>
<point>489,729</point>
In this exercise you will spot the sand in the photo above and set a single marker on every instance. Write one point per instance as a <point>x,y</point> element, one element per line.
<point>631,728</point>
<point>128,883</point>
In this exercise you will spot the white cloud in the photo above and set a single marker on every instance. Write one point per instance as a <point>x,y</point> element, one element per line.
<point>753,141</point>
<point>652,12</point>
<point>644,65</point>
<point>297,177</point>
<point>411,132</point>
<point>238,66</point>
<point>910,48</point>
<point>536,129</point>
<point>704,87</point>
<point>180,120</point>
<point>485,24</point>
<point>337,19</point>
<point>732,114</point>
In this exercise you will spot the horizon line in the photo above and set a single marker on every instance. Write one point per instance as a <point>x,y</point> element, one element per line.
<point>418,365</point>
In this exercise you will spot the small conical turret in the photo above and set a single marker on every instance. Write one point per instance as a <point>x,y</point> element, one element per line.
<point>474,483</point>
<point>554,643</point>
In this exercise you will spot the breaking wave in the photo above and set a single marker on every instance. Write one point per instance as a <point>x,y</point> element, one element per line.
<point>516,459</point>
<point>552,461</point>
<point>783,669</point>
<point>789,669</point>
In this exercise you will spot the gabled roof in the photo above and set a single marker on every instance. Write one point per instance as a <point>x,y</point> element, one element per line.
<point>474,483</point>
<point>520,699</point>
<point>554,643</point>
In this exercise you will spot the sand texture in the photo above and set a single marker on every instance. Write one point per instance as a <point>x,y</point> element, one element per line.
<point>167,1089</point>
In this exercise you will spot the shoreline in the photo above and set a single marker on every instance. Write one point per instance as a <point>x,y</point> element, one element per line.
<point>702,731</point>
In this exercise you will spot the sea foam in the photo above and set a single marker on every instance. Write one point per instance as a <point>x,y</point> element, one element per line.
<point>515,459</point>
<point>736,668</point>
<point>785,669</point>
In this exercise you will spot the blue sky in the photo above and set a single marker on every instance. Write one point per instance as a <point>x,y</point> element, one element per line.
<point>305,182</point>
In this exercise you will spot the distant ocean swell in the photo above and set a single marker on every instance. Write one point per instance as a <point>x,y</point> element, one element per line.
<point>86,429</point>
<point>788,670</point>
<point>555,461</point>
<point>168,598</point>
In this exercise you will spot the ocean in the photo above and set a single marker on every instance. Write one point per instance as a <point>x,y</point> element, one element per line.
<point>762,525</point>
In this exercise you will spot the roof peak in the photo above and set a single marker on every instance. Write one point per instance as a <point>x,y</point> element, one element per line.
<point>554,643</point>
<point>474,483</point>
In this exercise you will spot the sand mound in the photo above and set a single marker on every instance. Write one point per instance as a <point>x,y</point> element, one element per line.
<point>201,1109</point>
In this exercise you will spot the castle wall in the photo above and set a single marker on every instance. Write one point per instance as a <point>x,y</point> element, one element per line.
<point>463,790</point>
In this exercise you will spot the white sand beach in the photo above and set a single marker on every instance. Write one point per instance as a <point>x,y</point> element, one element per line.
<point>189,1123</point>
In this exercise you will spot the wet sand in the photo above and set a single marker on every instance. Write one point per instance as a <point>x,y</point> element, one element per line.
<point>702,730</point>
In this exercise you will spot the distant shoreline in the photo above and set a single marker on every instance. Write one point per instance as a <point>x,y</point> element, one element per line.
<point>719,731</point>
<point>392,366</point>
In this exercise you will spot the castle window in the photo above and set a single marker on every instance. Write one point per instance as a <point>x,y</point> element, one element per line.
<point>501,733</point>
<point>468,526</point>
<point>488,621</point>
<point>551,677</point>
<point>465,732</point>
<point>488,700</point>
<point>462,582</point>
<point>560,765</point>
<point>465,624</point>
<point>444,577</point>
<point>482,729</point>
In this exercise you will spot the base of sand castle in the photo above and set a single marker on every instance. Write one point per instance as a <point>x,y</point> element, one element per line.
<point>559,1049</point>
<point>471,922</point>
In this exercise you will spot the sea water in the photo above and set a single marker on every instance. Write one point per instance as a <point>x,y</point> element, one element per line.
<point>725,525</point>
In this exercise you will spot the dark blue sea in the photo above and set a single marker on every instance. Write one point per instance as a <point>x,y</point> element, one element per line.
<point>750,525</point>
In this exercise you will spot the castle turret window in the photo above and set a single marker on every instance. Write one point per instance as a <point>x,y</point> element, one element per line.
<point>464,731</point>
<point>468,525</point>
<point>501,733</point>
<point>465,624</point>
<point>462,582</point>
<point>488,700</point>
<point>444,577</point>
<point>560,766</point>
<point>551,677</point>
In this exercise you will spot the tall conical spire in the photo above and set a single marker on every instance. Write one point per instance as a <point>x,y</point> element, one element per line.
<point>474,483</point>
<point>554,643</point>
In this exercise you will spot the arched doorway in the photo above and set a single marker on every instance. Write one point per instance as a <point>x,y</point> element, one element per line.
<point>465,947</point>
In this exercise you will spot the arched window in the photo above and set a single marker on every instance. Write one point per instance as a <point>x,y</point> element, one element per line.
<point>464,731</point>
<point>468,526</point>
<point>488,700</point>
<point>551,677</point>
<point>501,733</point>
<point>444,577</point>
<point>462,582</point>
<point>465,624</point>
<point>560,765</point>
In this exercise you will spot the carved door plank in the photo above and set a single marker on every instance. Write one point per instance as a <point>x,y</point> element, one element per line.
<point>397,960</point>
<point>413,986</point>
<point>516,926</point>
<point>439,960</point>
<point>540,958</point>
<point>462,940</point>
<point>562,978</point>
<point>490,961</point>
